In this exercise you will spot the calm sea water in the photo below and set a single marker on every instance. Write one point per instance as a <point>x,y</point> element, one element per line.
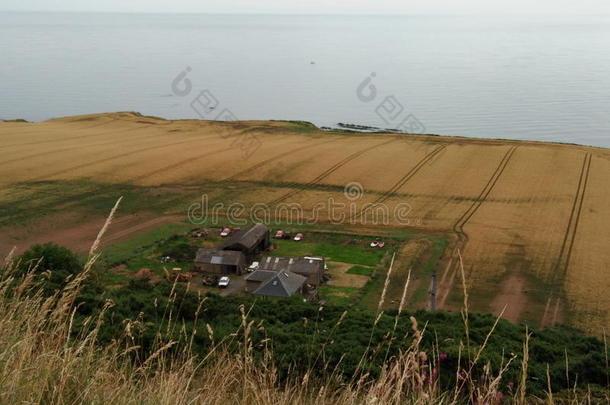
<point>519,77</point>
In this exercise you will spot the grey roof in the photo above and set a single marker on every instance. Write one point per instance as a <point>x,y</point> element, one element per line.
<point>217,259</point>
<point>247,237</point>
<point>213,256</point>
<point>301,265</point>
<point>260,275</point>
<point>282,284</point>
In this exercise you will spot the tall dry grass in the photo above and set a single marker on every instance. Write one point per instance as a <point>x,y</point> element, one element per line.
<point>45,359</point>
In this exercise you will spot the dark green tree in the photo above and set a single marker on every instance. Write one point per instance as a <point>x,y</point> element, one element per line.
<point>54,265</point>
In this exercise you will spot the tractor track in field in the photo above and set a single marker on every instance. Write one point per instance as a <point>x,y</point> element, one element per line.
<point>328,172</point>
<point>450,272</point>
<point>570,235</point>
<point>226,149</point>
<point>137,178</point>
<point>71,138</point>
<point>78,136</point>
<point>401,182</point>
<point>274,158</point>
<point>109,187</point>
<point>458,227</point>
<point>102,143</point>
<point>560,270</point>
<point>181,163</point>
<point>62,139</point>
<point>96,134</point>
<point>110,158</point>
<point>99,124</point>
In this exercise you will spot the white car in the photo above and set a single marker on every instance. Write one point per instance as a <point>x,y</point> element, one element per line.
<point>225,232</point>
<point>224,282</point>
<point>253,266</point>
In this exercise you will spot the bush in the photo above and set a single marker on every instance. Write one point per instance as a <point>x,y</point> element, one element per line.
<point>53,265</point>
<point>300,332</point>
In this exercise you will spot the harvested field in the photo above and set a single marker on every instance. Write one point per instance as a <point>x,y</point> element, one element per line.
<point>530,219</point>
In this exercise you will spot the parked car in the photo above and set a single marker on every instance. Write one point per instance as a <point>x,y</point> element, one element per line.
<point>298,237</point>
<point>279,234</point>
<point>224,282</point>
<point>374,244</point>
<point>225,232</point>
<point>253,266</point>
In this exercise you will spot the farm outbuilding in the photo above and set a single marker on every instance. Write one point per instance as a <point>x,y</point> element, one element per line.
<point>220,261</point>
<point>250,241</point>
<point>276,284</point>
<point>312,268</point>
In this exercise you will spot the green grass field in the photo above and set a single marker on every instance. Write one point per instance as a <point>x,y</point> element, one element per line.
<point>337,295</point>
<point>361,271</point>
<point>144,251</point>
<point>335,253</point>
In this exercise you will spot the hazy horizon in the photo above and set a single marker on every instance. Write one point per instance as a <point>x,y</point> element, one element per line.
<point>359,7</point>
<point>347,14</point>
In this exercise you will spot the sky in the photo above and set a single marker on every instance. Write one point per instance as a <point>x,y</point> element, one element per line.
<point>316,6</point>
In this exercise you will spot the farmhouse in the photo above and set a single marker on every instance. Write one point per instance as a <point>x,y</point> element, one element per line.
<point>250,241</point>
<point>274,284</point>
<point>255,279</point>
<point>312,268</point>
<point>220,261</point>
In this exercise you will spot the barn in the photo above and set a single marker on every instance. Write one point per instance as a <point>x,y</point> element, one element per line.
<point>220,261</point>
<point>250,241</point>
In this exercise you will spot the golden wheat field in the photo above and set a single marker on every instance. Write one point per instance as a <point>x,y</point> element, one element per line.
<point>530,219</point>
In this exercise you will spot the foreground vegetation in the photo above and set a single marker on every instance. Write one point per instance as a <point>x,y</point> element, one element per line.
<point>63,339</point>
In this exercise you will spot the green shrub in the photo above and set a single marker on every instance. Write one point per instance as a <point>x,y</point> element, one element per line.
<point>52,263</point>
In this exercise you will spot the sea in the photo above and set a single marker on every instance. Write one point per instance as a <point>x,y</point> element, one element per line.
<point>532,77</point>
